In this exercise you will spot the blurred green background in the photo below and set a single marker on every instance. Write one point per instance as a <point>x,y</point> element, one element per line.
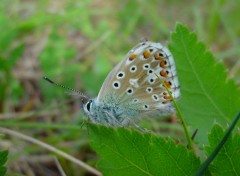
<point>76,43</point>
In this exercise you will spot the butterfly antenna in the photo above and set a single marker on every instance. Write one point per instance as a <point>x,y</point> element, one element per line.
<point>62,86</point>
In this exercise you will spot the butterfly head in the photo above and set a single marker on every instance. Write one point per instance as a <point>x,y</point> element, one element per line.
<point>87,106</point>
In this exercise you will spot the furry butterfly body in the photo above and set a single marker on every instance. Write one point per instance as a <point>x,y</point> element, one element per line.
<point>133,89</point>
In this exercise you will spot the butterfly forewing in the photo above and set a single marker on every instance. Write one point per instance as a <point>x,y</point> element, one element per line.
<point>135,84</point>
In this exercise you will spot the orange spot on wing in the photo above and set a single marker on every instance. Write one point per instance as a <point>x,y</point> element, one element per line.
<point>146,54</point>
<point>164,102</point>
<point>163,73</point>
<point>168,84</point>
<point>163,64</point>
<point>157,57</point>
<point>167,97</point>
<point>132,57</point>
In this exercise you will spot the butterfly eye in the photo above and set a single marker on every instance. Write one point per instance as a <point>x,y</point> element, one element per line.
<point>89,105</point>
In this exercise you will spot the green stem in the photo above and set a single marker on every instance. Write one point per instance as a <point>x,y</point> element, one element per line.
<point>39,125</point>
<point>180,116</point>
<point>217,149</point>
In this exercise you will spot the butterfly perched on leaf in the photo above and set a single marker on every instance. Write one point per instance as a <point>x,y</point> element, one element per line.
<point>134,88</point>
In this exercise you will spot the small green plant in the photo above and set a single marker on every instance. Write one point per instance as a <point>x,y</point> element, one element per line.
<point>3,160</point>
<point>207,97</point>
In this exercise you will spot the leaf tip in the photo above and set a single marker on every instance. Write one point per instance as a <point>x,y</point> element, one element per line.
<point>180,27</point>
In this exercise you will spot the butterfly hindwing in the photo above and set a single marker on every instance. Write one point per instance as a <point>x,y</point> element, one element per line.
<point>134,79</point>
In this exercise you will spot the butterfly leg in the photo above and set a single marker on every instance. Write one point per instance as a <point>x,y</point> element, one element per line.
<point>88,121</point>
<point>140,128</point>
<point>114,121</point>
<point>130,121</point>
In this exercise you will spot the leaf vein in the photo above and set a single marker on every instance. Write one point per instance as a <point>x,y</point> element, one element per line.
<point>199,80</point>
<point>130,162</point>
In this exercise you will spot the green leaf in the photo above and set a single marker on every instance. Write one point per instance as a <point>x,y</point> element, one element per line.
<point>207,95</point>
<point>6,38</point>
<point>227,161</point>
<point>3,160</point>
<point>15,54</point>
<point>125,152</point>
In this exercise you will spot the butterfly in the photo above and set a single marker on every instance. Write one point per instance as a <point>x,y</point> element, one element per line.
<point>133,89</point>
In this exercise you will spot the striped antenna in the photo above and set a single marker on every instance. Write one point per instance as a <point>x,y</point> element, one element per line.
<point>62,86</point>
